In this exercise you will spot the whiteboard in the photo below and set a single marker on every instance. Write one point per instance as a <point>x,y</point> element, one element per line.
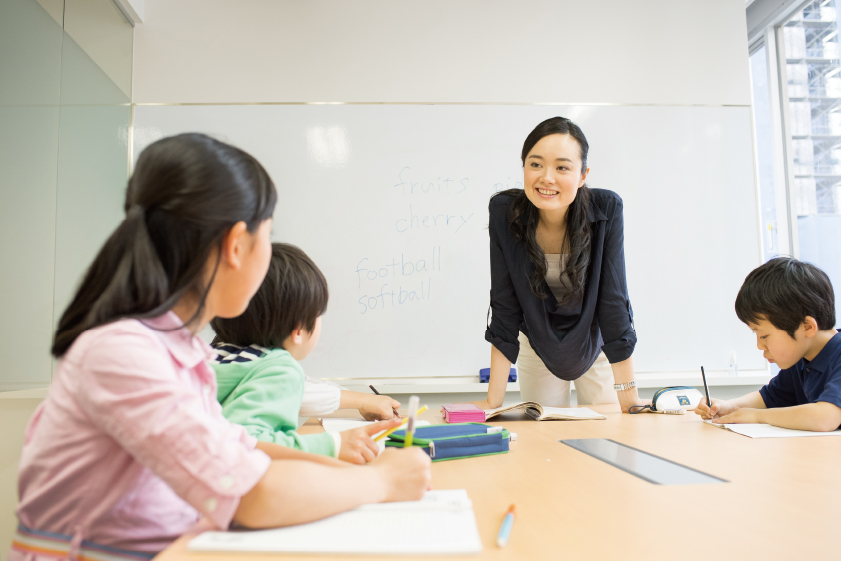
<point>391,202</point>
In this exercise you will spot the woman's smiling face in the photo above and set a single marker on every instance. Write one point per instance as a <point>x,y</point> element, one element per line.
<point>552,172</point>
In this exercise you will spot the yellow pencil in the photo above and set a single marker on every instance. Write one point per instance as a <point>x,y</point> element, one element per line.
<point>405,420</point>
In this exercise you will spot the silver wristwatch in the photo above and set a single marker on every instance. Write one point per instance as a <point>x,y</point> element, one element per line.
<point>626,386</point>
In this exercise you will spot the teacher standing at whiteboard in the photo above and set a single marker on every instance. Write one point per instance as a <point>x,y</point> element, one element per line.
<point>559,303</point>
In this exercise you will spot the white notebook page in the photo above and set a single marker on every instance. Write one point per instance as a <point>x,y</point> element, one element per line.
<point>761,430</point>
<point>442,522</point>
<point>576,412</point>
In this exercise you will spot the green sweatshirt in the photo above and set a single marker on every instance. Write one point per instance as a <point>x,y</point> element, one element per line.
<point>264,395</point>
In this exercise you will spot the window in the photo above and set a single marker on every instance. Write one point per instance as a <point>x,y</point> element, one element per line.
<point>811,42</point>
<point>796,89</point>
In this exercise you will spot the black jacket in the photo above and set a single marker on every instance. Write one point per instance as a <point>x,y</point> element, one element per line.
<point>568,339</point>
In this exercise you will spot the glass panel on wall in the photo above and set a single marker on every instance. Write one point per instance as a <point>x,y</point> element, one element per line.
<point>811,42</point>
<point>30,90</point>
<point>65,113</point>
<point>93,151</point>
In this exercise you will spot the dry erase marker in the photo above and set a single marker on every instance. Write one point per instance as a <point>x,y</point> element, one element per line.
<point>410,427</point>
<point>381,436</point>
<point>372,389</point>
<point>705,382</point>
<point>506,527</point>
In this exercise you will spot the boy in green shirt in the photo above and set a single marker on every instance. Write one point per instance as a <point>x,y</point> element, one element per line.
<point>261,384</point>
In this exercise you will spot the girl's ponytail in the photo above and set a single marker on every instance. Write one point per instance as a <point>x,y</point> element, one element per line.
<point>186,192</point>
<point>139,269</point>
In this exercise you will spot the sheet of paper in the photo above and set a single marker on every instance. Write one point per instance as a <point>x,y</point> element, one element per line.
<point>575,412</point>
<point>442,522</point>
<point>338,425</point>
<point>759,430</point>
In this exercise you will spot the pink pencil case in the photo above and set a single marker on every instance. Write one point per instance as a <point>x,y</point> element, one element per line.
<point>463,413</point>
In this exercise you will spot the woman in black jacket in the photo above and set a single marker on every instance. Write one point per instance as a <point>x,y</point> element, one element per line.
<point>559,302</point>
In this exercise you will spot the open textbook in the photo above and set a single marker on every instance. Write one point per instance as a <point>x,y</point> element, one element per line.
<point>441,523</point>
<point>762,430</point>
<point>541,413</point>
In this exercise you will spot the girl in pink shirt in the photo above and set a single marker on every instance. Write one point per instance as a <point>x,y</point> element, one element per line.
<point>130,448</point>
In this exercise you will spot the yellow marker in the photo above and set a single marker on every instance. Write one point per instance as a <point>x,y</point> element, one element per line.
<point>405,420</point>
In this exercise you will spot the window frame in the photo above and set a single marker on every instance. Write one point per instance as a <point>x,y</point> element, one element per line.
<point>782,175</point>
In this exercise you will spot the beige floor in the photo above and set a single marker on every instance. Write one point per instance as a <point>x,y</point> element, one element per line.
<point>14,414</point>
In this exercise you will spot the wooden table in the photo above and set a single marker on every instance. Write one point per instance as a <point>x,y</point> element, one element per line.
<point>782,499</point>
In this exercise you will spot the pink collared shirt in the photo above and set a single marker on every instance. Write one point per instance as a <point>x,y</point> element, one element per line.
<point>130,448</point>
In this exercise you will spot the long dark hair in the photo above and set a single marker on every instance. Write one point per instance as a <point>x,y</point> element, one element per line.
<point>186,192</point>
<point>293,295</point>
<point>523,220</point>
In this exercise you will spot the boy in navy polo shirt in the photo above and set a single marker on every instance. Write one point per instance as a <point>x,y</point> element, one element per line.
<point>789,305</point>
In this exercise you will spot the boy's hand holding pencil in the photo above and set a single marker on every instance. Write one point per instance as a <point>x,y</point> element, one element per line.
<point>718,408</point>
<point>378,407</point>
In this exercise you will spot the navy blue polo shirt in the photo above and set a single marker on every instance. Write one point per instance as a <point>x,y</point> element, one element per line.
<point>808,381</point>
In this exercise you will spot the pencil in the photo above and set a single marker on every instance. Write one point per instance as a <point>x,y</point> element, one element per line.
<point>374,390</point>
<point>405,420</point>
<point>506,527</point>
<point>705,382</point>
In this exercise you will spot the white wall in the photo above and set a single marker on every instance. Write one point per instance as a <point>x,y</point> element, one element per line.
<point>662,52</point>
<point>647,52</point>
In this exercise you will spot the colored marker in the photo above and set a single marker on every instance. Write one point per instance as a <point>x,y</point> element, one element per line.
<point>405,420</point>
<point>410,427</point>
<point>705,382</point>
<point>374,390</point>
<point>506,527</point>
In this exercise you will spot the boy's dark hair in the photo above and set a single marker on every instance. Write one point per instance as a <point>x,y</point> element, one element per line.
<point>785,291</point>
<point>293,294</point>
